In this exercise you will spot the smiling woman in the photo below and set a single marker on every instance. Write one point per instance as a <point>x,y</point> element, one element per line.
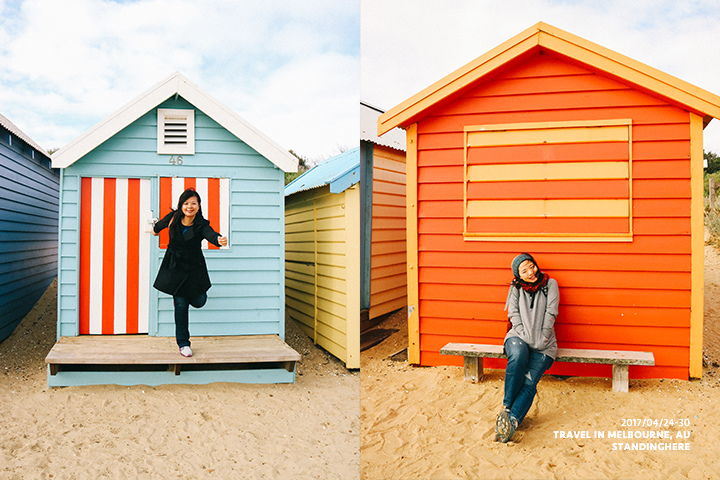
<point>183,272</point>
<point>530,343</point>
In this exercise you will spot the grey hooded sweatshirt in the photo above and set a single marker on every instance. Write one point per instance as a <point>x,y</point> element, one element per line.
<point>533,325</point>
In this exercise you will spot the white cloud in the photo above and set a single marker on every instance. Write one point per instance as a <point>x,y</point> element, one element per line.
<point>69,64</point>
<point>406,45</point>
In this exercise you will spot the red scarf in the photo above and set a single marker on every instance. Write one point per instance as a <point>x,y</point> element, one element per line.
<point>532,288</point>
<point>539,284</point>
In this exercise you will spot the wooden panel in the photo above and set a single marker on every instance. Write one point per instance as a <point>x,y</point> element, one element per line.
<point>617,357</point>
<point>531,136</point>
<point>545,189</point>
<point>319,232</point>
<point>607,278</point>
<point>650,115</point>
<point>563,80</point>
<point>570,369</point>
<point>388,232</point>
<point>570,295</point>
<point>547,171</point>
<point>641,244</point>
<point>144,350</point>
<point>114,266</point>
<point>630,291</point>
<point>483,169</point>
<point>28,229</point>
<point>698,247</point>
<point>557,154</point>
<point>569,100</point>
<point>541,224</point>
<point>256,228</point>
<point>548,208</point>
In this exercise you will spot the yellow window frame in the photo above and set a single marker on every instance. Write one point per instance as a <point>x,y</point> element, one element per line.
<point>540,133</point>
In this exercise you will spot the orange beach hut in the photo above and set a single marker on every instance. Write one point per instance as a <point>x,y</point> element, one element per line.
<point>589,160</point>
<point>384,284</point>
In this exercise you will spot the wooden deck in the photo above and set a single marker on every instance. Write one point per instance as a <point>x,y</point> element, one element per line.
<point>137,359</point>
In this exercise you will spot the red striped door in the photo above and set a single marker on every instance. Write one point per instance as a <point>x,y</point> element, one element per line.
<point>215,200</point>
<point>114,255</point>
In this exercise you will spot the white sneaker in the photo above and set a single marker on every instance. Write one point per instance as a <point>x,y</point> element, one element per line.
<point>185,352</point>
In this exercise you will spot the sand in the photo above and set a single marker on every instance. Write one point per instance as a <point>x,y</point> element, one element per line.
<point>309,430</point>
<point>427,423</point>
<point>415,423</point>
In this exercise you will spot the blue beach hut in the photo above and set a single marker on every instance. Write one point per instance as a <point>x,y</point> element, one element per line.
<point>113,327</point>
<point>28,225</point>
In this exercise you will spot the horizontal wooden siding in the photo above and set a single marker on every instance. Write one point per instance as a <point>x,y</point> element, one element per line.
<point>28,229</point>
<point>388,285</point>
<point>321,293</point>
<point>247,296</point>
<point>629,296</point>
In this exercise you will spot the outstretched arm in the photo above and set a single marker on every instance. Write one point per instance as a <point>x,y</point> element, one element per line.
<point>164,223</point>
<point>213,237</point>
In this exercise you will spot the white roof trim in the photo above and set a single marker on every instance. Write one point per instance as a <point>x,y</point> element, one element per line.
<point>369,114</point>
<point>180,85</point>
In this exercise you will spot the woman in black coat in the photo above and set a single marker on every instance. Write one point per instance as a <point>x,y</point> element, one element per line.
<point>183,272</point>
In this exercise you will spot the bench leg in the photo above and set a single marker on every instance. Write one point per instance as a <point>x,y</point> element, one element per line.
<point>473,369</point>
<point>620,378</point>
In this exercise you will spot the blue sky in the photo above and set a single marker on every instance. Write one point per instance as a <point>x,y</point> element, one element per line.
<point>289,68</point>
<point>297,69</point>
<point>407,45</point>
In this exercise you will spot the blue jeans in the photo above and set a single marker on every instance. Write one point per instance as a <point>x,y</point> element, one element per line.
<point>524,368</point>
<point>182,305</point>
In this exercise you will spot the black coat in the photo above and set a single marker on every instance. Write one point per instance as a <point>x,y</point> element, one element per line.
<point>183,270</point>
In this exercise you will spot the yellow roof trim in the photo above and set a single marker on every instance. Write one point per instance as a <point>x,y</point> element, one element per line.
<point>557,40</point>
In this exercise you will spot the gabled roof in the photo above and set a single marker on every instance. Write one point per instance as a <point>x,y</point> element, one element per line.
<point>12,128</point>
<point>546,36</point>
<point>175,84</point>
<point>340,172</point>
<point>368,126</point>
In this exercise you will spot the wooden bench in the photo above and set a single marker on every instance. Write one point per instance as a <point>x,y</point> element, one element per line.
<point>620,360</point>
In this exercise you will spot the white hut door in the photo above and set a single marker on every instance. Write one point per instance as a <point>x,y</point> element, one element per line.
<point>115,242</point>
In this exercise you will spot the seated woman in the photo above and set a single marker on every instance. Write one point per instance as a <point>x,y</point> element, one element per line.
<point>530,344</point>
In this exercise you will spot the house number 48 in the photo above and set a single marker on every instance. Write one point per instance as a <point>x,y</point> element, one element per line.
<point>176,160</point>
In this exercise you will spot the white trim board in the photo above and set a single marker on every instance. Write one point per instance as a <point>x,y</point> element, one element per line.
<point>175,84</point>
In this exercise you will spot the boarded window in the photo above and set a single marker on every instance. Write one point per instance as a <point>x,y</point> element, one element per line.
<point>215,203</point>
<point>555,181</point>
<point>176,132</point>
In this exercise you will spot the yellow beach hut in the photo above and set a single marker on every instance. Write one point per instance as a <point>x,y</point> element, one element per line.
<point>322,255</point>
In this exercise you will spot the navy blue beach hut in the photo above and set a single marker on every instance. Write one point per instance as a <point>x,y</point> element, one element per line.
<point>28,225</point>
<point>128,170</point>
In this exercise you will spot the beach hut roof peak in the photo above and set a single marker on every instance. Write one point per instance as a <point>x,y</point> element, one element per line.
<point>12,128</point>
<point>543,36</point>
<point>175,84</point>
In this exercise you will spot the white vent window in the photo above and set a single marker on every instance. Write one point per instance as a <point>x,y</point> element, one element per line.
<point>176,132</point>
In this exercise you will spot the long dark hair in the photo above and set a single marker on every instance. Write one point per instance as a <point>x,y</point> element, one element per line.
<point>178,213</point>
